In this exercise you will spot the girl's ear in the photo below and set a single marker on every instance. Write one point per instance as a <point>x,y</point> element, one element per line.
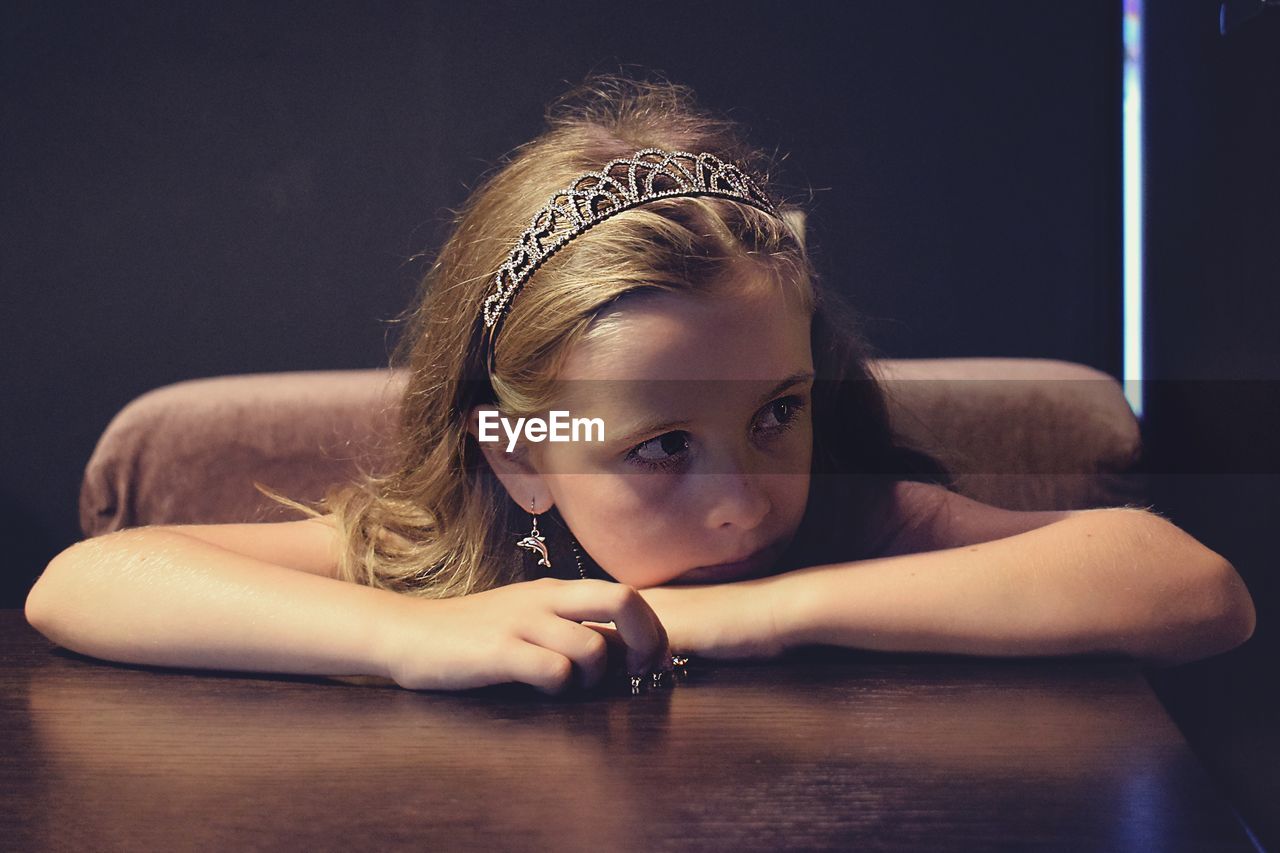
<point>520,478</point>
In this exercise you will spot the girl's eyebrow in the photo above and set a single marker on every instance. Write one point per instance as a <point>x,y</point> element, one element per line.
<point>656,426</point>
<point>793,379</point>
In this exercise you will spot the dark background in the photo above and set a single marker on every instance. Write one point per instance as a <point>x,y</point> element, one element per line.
<point>198,190</point>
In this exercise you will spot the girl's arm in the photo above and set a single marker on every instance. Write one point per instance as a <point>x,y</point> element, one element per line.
<point>156,596</point>
<point>960,576</point>
<point>1115,580</point>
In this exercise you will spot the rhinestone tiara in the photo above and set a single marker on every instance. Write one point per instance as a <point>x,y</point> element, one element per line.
<point>650,173</point>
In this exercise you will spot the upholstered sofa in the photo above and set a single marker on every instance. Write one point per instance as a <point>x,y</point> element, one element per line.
<point>1018,433</point>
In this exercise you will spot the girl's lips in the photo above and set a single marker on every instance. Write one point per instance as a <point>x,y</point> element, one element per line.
<point>756,564</point>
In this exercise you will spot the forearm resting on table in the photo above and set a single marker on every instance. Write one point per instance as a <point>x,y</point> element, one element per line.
<point>153,596</point>
<point>1104,581</point>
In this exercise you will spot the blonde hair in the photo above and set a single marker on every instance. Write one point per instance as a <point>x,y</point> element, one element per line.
<point>438,523</point>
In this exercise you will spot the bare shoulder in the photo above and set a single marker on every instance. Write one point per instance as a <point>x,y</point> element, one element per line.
<point>929,517</point>
<point>310,545</point>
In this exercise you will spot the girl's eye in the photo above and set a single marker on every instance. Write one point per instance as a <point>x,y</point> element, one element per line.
<point>670,449</point>
<point>662,452</point>
<point>784,413</point>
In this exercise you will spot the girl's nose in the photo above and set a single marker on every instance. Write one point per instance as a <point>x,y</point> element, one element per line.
<point>738,497</point>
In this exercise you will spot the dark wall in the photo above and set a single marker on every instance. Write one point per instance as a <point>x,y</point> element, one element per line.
<point>1213,423</point>
<point>193,190</point>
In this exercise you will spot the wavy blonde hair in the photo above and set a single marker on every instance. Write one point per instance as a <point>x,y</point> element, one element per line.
<point>438,523</point>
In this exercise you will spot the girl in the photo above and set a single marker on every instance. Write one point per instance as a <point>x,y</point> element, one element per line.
<point>755,504</point>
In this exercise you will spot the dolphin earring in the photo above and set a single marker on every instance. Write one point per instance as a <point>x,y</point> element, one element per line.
<point>535,541</point>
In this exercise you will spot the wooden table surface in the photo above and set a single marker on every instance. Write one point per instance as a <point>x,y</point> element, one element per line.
<point>824,749</point>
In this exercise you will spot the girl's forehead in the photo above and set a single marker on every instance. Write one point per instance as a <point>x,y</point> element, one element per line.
<point>761,333</point>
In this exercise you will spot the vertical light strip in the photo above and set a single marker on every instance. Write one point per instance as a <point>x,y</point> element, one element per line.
<point>1133,190</point>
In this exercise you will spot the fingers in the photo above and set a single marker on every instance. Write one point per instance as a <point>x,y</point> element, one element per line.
<point>547,670</point>
<point>617,653</point>
<point>585,648</point>
<point>637,624</point>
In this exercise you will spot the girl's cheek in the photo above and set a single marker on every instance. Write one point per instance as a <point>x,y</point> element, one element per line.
<point>643,537</point>
<point>652,490</point>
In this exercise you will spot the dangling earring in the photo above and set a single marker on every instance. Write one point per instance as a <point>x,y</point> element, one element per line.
<point>535,541</point>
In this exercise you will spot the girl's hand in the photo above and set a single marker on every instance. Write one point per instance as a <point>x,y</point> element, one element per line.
<point>528,632</point>
<point>726,621</point>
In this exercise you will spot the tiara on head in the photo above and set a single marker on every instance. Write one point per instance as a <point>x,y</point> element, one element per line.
<point>650,173</point>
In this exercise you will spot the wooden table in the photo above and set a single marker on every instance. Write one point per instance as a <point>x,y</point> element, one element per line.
<point>825,749</point>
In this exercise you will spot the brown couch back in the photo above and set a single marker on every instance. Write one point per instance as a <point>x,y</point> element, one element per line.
<point>1019,433</point>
